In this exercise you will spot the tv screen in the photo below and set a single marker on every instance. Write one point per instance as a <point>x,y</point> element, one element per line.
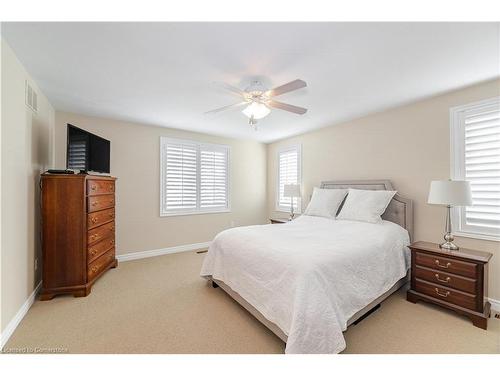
<point>87,151</point>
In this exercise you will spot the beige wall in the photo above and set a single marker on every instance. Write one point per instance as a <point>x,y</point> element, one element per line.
<point>135,161</point>
<point>26,140</point>
<point>408,145</point>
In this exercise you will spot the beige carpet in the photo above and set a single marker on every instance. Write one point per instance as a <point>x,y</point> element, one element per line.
<point>160,305</point>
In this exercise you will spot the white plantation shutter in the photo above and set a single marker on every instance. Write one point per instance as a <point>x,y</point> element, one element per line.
<point>213,177</point>
<point>194,177</point>
<point>476,154</point>
<point>289,160</point>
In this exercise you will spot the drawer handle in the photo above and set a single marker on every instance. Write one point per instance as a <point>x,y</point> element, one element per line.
<point>112,242</point>
<point>94,219</point>
<point>111,201</point>
<point>95,269</point>
<point>93,187</point>
<point>110,187</point>
<point>95,203</point>
<point>447,265</point>
<point>94,236</point>
<point>93,252</point>
<point>111,214</point>
<point>447,280</point>
<point>111,229</point>
<point>445,294</point>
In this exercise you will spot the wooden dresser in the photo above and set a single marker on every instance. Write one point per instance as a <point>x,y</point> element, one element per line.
<point>455,279</point>
<point>78,232</point>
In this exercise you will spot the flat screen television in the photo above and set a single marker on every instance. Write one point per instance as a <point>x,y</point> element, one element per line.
<point>86,151</point>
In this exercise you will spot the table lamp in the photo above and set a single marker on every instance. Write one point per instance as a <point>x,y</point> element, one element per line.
<point>450,193</point>
<point>291,191</point>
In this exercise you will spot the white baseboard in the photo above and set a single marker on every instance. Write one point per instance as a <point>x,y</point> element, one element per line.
<point>11,327</point>
<point>157,252</point>
<point>495,304</point>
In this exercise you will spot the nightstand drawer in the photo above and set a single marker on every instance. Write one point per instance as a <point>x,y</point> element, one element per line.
<point>446,294</point>
<point>457,267</point>
<point>446,279</point>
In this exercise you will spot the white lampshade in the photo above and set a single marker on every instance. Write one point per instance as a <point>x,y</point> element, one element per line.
<point>291,191</point>
<point>453,193</point>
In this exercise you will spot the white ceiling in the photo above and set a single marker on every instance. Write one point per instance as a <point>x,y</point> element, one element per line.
<point>163,73</point>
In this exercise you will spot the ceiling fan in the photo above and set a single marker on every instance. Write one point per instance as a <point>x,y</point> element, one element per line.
<point>259,100</point>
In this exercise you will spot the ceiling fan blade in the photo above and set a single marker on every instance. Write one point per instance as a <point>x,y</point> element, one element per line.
<point>231,88</point>
<point>226,107</point>
<point>287,87</point>
<point>287,107</point>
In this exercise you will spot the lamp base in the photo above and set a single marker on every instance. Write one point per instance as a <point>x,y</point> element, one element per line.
<point>448,246</point>
<point>448,242</point>
<point>448,237</point>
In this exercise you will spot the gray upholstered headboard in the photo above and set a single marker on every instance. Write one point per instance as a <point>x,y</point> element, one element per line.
<point>399,211</point>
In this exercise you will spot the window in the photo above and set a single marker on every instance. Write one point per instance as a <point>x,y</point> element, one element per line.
<point>475,155</point>
<point>289,172</point>
<point>194,177</point>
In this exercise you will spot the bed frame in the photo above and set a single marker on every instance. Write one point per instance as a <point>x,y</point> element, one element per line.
<point>399,211</point>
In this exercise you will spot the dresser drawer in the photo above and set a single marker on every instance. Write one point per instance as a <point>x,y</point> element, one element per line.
<point>100,202</point>
<point>95,268</point>
<point>446,279</point>
<point>94,251</point>
<point>96,187</point>
<point>446,264</point>
<point>446,294</point>
<point>97,218</point>
<point>102,232</point>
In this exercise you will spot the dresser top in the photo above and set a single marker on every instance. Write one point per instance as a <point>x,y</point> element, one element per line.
<point>481,256</point>
<point>78,175</point>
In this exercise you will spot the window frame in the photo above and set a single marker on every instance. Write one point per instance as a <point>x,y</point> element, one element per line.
<point>197,210</point>
<point>298,148</point>
<point>457,166</point>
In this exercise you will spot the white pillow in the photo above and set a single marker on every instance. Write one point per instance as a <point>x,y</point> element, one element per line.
<point>325,202</point>
<point>365,205</point>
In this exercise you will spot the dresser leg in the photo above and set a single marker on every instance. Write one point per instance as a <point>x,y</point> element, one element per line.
<point>411,297</point>
<point>84,292</point>
<point>480,322</point>
<point>46,296</point>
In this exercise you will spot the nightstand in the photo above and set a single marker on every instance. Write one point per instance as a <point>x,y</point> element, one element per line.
<point>278,221</point>
<point>454,279</point>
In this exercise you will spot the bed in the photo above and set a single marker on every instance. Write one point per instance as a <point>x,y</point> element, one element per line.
<point>309,279</point>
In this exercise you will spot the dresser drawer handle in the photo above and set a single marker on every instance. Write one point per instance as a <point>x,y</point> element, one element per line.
<point>111,214</point>
<point>94,236</point>
<point>93,187</point>
<point>111,188</point>
<point>94,219</point>
<point>447,280</point>
<point>95,269</point>
<point>95,203</point>
<point>93,252</point>
<point>445,294</point>
<point>112,242</point>
<point>112,229</point>
<point>441,265</point>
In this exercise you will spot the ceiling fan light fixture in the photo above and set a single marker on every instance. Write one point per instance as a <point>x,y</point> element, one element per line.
<point>256,110</point>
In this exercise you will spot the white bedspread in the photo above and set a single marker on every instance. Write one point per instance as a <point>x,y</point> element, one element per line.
<point>311,275</point>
